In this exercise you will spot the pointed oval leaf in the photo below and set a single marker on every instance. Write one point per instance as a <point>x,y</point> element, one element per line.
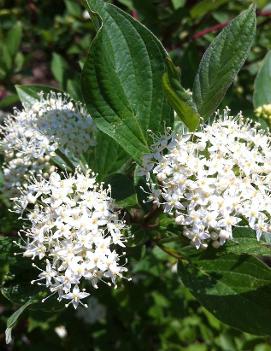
<point>14,38</point>
<point>245,242</point>
<point>108,158</point>
<point>28,94</point>
<point>236,289</point>
<point>262,88</point>
<point>222,61</point>
<point>122,80</point>
<point>179,98</point>
<point>13,320</point>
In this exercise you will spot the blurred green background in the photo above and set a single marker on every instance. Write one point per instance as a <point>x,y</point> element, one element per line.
<point>46,42</point>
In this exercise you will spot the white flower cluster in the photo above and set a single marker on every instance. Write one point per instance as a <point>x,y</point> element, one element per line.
<point>31,136</point>
<point>213,180</point>
<point>76,229</point>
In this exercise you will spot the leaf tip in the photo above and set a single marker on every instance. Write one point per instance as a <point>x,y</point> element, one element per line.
<point>8,336</point>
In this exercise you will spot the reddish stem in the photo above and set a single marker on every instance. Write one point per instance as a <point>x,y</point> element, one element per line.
<point>220,26</point>
<point>214,28</point>
<point>135,14</point>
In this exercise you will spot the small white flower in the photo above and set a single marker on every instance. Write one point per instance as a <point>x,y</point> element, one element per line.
<point>32,136</point>
<point>214,179</point>
<point>77,237</point>
<point>75,296</point>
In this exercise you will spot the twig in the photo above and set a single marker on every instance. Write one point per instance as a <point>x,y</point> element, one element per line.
<point>134,14</point>
<point>212,29</point>
<point>219,26</point>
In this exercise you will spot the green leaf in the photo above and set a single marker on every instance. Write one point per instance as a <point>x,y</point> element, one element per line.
<point>245,242</point>
<point>28,94</point>
<point>122,190</point>
<point>262,87</point>
<point>122,80</point>
<point>177,4</point>
<point>2,70</point>
<point>6,249</point>
<point>74,89</point>
<point>6,256</point>
<point>18,62</point>
<point>21,291</point>
<point>179,98</point>
<point>222,61</point>
<point>127,3</point>
<point>18,273</point>
<point>261,3</point>
<point>13,39</point>
<point>121,186</point>
<point>6,58</point>
<point>13,320</point>
<point>59,67</point>
<point>109,156</point>
<point>148,12</point>
<point>236,289</point>
<point>203,7</point>
<point>8,101</point>
<point>73,8</point>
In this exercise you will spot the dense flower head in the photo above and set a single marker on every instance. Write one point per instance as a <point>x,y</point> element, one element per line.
<point>75,231</point>
<point>213,180</point>
<point>31,136</point>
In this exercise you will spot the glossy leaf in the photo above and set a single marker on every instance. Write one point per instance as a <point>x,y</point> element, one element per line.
<point>6,249</point>
<point>179,98</point>
<point>122,80</point>
<point>13,320</point>
<point>245,242</point>
<point>235,289</point>
<point>222,61</point>
<point>122,190</point>
<point>109,157</point>
<point>262,88</point>
<point>28,94</point>
<point>20,292</point>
